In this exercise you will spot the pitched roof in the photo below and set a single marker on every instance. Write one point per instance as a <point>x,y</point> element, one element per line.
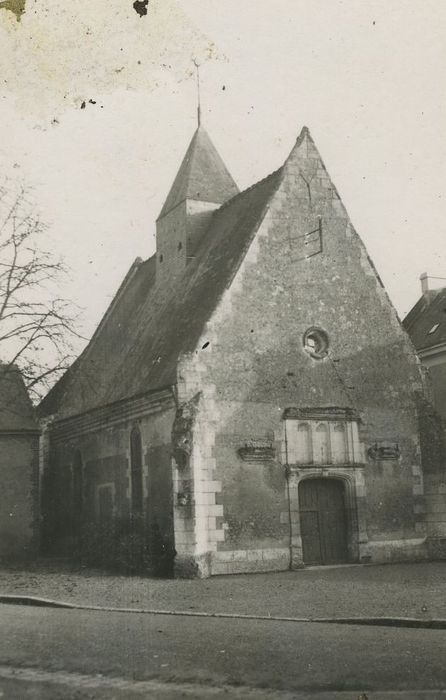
<point>202,175</point>
<point>140,339</point>
<point>16,410</point>
<point>426,322</point>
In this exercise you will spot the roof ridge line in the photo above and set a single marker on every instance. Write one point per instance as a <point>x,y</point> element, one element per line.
<point>136,264</point>
<point>239,195</point>
<point>260,218</point>
<point>138,261</point>
<point>248,189</point>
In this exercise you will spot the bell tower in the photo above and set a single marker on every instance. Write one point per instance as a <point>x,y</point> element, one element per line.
<point>201,186</point>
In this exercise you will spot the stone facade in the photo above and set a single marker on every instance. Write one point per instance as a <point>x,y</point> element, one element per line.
<point>286,428</point>
<point>255,367</point>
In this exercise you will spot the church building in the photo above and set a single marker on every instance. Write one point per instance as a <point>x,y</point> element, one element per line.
<point>250,400</point>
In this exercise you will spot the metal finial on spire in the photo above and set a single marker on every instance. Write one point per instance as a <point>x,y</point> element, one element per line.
<point>197,66</point>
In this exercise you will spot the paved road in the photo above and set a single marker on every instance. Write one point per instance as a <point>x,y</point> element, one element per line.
<point>283,656</point>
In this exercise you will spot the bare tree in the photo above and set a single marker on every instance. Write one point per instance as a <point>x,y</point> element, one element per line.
<point>37,326</point>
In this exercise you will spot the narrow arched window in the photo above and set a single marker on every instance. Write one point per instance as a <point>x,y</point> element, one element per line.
<point>78,486</point>
<point>136,471</point>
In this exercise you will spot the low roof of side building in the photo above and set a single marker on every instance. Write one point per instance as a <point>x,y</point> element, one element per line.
<point>426,321</point>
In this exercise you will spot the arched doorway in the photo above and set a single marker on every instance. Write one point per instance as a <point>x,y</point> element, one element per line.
<point>323,521</point>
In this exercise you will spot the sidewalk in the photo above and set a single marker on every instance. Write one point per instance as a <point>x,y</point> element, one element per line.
<point>398,590</point>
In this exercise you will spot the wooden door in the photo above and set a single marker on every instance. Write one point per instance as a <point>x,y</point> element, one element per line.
<point>323,521</point>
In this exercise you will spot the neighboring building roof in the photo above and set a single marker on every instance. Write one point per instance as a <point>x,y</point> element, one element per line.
<point>16,410</point>
<point>140,339</point>
<point>202,175</point>
<point>426,322</point>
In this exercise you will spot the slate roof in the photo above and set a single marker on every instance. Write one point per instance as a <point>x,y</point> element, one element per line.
<point>140,339</point>
<point>202,175</point>
<point>16,410</point>
<point>426,322</point>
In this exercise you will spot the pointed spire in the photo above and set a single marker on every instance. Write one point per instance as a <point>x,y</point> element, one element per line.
<point>202,175</point>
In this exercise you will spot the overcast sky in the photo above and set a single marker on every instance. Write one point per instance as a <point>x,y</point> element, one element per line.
<point>368,79</point>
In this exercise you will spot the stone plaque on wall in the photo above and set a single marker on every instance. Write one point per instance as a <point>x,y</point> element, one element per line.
<point>257,450</point>
<point>384,450</point>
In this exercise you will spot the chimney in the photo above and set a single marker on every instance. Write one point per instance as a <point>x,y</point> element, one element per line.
<point>424,279</point>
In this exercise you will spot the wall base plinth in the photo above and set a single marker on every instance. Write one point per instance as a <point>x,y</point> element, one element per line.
<point>392,551</point>
<point>297,561</point>
<point>192,565</point>
<point>250,561</point>
<point>436,547</point>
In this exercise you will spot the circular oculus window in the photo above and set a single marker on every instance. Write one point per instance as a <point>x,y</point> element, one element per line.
<point>315,342</point>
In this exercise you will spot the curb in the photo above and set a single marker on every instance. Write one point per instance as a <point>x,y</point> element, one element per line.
<point>35,601</point>
<point>403,622</point>
<point>407,622</point>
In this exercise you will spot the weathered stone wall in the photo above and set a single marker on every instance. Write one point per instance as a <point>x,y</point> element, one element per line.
<point>104,455</point>
<point>253,366</point>
<point>19,496</point>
